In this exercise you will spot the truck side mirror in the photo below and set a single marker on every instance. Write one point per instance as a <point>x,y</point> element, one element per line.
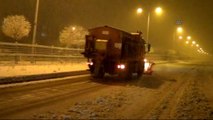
<point>149,47</point>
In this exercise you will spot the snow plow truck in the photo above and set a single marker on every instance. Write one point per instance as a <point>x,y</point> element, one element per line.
<point>113,51</point>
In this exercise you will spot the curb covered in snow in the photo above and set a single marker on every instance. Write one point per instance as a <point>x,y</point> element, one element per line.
<point>27,78</point>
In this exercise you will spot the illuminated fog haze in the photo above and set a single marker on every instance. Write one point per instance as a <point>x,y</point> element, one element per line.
<point>54,15</point>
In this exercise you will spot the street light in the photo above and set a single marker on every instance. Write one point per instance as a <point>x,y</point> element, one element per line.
<point>189,37</point>
<point>35,22</point>
<point>158,11</point>
<point>73,28</point>
<point>179,29</point>
<point>180,37</point>
<point>139,10</point>
<point>193,42</point>
<point>177,34</point>
<point>187,42</point>
<point>35,30</point>
<point>197,45</point>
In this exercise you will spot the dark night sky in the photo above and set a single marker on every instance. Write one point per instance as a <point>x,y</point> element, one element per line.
<point>197,16</point>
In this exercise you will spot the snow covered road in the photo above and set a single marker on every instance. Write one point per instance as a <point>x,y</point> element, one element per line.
<point>174,91</point>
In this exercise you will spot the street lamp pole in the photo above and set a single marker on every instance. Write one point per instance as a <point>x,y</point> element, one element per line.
<point>35,22</point>
<point>148,26</point>
<point>158,10</point>
<point>34,31</point>
<point>174,38</point>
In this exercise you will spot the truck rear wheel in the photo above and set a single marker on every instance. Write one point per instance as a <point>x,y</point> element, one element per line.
<point>140,70</point>
<point>99,71</point>
<point>91,68</point>
<point>140,73</point>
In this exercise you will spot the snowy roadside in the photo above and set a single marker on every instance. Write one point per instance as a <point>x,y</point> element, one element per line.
<point>24,68</point>
<point>193,104</point>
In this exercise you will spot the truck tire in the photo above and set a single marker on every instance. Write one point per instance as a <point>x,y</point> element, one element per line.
<point>140,70</point>
<point>91,68</point>
<point>140,73</point>
<point>99,71</point>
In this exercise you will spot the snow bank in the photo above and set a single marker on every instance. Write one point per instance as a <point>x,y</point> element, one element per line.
<point>40,68</point>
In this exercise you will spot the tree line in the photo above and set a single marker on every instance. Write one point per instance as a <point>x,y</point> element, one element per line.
<point>18,26</point>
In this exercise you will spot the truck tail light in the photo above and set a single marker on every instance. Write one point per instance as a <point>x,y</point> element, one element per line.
<point>90,63</point>
<point>121,66</point>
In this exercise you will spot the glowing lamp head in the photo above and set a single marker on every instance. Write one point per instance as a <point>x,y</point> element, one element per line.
<point>189,37</point>
<point>73,28</point>
<point>158,10</point>
<point>197,45</point>
<point>179,29</point>
<point>139,10</point>
<point>193,42</point>
<point>180,37</point>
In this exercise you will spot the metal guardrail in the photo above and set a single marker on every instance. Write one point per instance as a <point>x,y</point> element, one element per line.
<point>169,57</point>
<point>28,52</point>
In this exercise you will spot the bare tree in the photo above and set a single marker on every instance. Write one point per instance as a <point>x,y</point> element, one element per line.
<point>73,36</point>
<point>16,27</point>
